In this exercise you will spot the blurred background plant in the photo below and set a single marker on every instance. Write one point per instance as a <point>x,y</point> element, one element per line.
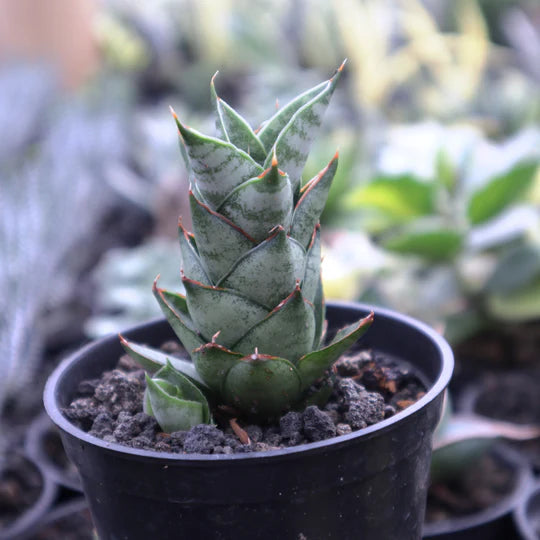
<point>54,158</point>
<point>435,207</point>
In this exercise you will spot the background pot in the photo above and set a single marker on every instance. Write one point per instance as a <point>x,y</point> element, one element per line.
<point>370,484</point>
<point>495,522</point>
<point>42,439</point>
<point>527,514</point>
<point>28,519</point>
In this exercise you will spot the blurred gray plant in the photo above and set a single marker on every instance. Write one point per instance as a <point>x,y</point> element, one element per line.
<point>53,159</point>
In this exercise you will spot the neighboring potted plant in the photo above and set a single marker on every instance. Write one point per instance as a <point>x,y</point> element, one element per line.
<point>254,322</point>
<point>476,480</point>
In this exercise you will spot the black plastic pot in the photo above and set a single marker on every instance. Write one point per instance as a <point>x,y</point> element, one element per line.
<point>19,528</point>
<point>527,514</point>
<point>369,484</point>
<point>495,522</point>
<point>41,435</point>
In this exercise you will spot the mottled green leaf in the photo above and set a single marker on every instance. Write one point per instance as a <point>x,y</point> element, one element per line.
<point>500,192</point>
<point>287,331</point>
<point>175,310</point>
<point>152,360</point>
<point>220,310</point>
<point>171,412</point>
<point>313,365</point>
<point>219,241</point>
<point>294,141</point>
<point>312,274</point>
<point>262,386</point>
<point>272,128</point>
<point>213,362</point>
<point>268,273</point>
<point>436,244</point>
<point>311,203</point>
<point>218,166</point>
<point>401,198</point>
<point>191,263</point>
<point>235,129</point>
<point>260,204</point>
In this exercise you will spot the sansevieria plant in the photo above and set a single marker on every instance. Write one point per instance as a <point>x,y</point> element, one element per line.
<point>253,315</point>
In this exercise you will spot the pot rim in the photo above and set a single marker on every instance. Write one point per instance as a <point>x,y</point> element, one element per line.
<point>521,512</point>
<point>440,384</point>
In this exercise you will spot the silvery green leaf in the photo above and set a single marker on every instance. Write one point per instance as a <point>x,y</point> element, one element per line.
<point>260,204</point>
<point>174,307</point>
<point>214,309</point>
<point>294,141</point>
<point>313,365</point>
<point>218,166</point>
<point>260,375</point>
<point>311,203</point>
<point>219,241</point>
<point>288,330</point>
<point>213,362</point>
<point>235,129</point>
<point>171,412</point>
<point>269,272</point>
<point>152,360</point>
<point>312,274</point>
<point>270,130</point>
<point>191,263</point>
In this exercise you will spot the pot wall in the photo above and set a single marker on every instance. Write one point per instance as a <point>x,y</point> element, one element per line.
<point>370,484</point>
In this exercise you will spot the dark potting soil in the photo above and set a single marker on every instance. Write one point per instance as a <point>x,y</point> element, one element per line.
<point>20,487</point>
<point>482,485</point>
<point>367,388</point>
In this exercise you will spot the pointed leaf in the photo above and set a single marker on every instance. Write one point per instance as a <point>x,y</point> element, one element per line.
<point>220,310</point>
<point>175,310</point>
<point>262,386</point>
<point>293,143</point>
<point>491,199</point>
<point>312,275</point>
<point>311,204</point>
<point>260,204</point>
<point>217,166</point>
<point>313,365</point>
<point>220,242</point>
<point>267,274</point>
<point>235,129</point>
<point>172,413</point>
<point>152,360</point>
<point>191,263</point>
<point>287,331</point>
<point>213,362</point>
<point>270,130</point>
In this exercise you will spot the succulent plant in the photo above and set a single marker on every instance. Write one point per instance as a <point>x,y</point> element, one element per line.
<point>253,315</point>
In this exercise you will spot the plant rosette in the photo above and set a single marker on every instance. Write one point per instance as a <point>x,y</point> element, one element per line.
<point>255,325</point>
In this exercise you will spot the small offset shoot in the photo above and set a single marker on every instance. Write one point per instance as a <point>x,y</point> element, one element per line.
<point>253,315</point>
